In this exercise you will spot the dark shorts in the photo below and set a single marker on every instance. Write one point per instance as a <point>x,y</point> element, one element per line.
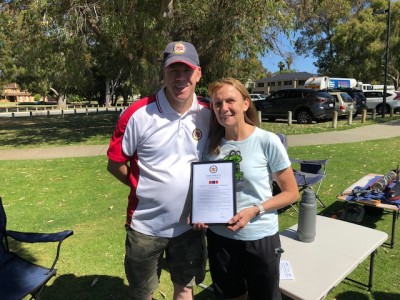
<point>238,266</point>
<point>185,257</point>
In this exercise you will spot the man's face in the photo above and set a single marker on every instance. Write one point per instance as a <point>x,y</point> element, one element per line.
<point>180,81</point>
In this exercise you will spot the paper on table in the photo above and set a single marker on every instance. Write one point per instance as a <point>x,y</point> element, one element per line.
<point>285,270</point>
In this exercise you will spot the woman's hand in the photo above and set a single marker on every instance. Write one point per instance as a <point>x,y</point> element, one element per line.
<point>241,219</point>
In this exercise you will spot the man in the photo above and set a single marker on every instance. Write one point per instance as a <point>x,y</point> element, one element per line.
<point>151,149</point>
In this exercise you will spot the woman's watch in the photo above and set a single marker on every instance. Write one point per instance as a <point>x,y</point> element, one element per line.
<point>261,208</point>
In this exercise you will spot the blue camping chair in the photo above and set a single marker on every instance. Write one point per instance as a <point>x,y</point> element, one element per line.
<point>309,173</point>
<point>18,276</point>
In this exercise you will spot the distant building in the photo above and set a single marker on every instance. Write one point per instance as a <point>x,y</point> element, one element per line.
<point>12,93</point>
<point>250,84</point>
<point>281,81</point>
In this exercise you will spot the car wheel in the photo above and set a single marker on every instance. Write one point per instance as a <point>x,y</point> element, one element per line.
<point>380,107</point>
<point>304,117</point>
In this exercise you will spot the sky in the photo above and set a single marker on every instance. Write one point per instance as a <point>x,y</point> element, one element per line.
<point>300,63</point>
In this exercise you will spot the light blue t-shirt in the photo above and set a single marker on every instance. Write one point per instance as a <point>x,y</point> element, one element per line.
<point>258,156</point>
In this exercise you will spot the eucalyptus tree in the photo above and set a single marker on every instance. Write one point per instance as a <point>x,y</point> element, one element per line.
<point>357,48</point>
<point>9,68</point>
<point>228,32</point>
<point>380,31</point>
<point>71,46</point>
<point>394,54</point>
<point>360,45</point>
<point>47,57</point>
<point>317,22</point>
<point>26,62</point>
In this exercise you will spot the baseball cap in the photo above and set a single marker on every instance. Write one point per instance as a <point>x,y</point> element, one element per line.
<point>182,52</point>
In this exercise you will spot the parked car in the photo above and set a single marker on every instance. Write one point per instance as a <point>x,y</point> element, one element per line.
<point>306,105</point>
<point>359,98</point>
<point>256,97</point>
<point>344,103</point>
<point>375,100</point>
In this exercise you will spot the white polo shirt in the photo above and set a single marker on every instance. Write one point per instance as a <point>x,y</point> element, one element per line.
<point>160,145</point>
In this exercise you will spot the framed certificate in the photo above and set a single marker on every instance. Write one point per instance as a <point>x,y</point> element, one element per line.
<point>213,194</point>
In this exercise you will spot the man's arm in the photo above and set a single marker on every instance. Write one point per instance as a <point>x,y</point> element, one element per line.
<point>119,170</point>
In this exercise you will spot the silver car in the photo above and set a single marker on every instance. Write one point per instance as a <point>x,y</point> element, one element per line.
<point>344,103</point>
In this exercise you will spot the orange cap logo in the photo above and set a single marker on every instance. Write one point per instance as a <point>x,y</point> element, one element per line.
<point>179,48</point>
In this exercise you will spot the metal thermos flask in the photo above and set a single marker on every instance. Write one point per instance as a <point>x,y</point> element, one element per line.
<point>307,216</point>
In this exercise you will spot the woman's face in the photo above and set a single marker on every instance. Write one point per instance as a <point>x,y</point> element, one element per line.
<point>229,106</point>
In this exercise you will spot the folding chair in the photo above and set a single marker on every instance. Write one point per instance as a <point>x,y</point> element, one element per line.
<point>18,276</point>
<point>312,172</point>
<point>275,188</point>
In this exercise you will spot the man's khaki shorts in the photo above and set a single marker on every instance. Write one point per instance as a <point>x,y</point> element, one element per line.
<point>185,259</point>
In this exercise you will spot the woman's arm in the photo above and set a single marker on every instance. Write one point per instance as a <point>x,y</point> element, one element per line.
<point>288,195</point>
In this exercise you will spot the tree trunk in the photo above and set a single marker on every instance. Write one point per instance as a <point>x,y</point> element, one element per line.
<point>108,93</point>
<point>61,99</point>
<point>110,88</point>
<point>395,76</point>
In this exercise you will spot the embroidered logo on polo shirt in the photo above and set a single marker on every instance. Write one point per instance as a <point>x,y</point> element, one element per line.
<point>179,48</point>
<point>197,134</point>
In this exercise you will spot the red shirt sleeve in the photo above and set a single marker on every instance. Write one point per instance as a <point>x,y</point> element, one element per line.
<point>114,151</point>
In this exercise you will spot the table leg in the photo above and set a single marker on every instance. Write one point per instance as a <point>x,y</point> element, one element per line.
<point>393,228</point>
<point>371,270</point>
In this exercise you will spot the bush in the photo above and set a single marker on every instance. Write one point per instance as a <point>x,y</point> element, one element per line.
<point>37,97</point>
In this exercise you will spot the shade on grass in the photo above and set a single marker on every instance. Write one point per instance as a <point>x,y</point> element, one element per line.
<point>79,194</point>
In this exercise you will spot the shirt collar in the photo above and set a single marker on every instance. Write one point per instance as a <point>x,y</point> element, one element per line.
<point>165,108</point>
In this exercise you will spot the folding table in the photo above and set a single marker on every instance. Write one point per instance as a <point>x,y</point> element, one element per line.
<point>386,206</point>
<point>319,266</point>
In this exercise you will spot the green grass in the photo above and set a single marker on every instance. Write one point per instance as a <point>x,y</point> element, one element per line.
<point>43,131</point>
<point>78,193</point>
<point>95,129</point>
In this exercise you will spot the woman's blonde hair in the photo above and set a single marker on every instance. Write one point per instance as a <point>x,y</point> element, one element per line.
<point>217,131</point>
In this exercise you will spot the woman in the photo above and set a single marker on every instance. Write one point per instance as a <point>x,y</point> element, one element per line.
<point>244,255</point>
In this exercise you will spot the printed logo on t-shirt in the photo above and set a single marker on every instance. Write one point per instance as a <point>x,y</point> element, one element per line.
<point>236,157</point>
